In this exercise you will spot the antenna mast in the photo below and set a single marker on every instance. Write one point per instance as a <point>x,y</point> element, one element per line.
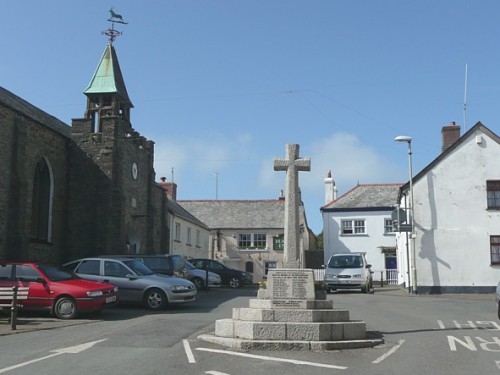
<point>465,99</point>
<point>216,173</point>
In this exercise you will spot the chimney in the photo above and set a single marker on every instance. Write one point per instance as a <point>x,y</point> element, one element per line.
<point>330,188</point>
<point>450,134</point>
<point>170,187</point>
<point>282,195</point>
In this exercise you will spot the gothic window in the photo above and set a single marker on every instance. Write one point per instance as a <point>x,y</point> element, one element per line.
<point>41,203</point>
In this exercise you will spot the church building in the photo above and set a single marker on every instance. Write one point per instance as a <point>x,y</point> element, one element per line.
<point>81,190</point>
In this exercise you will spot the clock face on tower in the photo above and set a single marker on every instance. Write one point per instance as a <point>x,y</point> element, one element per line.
<point>134,170</point>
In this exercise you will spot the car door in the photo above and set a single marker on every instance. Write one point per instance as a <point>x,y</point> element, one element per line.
<point>130,289</point>
<point>39,295</point>
<point>219,269</point>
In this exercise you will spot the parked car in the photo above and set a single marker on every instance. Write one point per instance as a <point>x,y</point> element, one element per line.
<point>176,265</point>
<point>61,292</point>
<point>497,299</point>
<point>135,281</point>
<point>230,276</point>
<point>349,271</point>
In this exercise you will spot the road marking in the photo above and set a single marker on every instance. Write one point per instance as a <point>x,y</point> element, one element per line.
<point>294,361</point>
<point>215,373</point>
<point>381,358</point>
<point>189,352</point>
<point>69,350</point>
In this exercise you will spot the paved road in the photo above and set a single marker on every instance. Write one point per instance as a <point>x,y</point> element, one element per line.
<point>423,335</point>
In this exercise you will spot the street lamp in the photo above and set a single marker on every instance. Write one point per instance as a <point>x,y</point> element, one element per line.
<point>407,139</point>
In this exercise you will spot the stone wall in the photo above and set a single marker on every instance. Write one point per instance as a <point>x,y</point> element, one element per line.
<point>23,142</point>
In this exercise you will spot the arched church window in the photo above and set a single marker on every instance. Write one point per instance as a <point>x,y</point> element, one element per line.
<point>41,202</point>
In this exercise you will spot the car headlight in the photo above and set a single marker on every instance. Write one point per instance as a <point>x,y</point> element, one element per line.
<point>94,293</point>
<point>356,276</point>
<point>179,288</point>
<point>115,289</point>
<point>330,277</point>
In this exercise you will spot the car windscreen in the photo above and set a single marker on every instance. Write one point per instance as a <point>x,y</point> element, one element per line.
<point>345,261</point>
<point>55,273</point>
<point>139,268</point>
<point>188,265</point>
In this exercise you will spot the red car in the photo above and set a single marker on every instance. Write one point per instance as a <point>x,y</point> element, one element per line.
<point>62,293</point>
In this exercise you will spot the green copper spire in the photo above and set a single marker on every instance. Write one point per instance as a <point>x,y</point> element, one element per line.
<point>108,77</point>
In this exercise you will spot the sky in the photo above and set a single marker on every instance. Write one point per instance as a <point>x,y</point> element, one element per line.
<point>222,86</point>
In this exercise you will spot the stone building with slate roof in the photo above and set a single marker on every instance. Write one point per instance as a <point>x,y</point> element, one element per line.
<point>88,189</point>
<point>247,234</point>
<point>360,221</point>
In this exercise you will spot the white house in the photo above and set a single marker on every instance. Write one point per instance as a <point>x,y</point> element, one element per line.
<point>189,236</point>
<point>456,215</point>
<point>360,221</point>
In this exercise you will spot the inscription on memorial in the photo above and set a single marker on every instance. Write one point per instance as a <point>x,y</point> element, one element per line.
<point>290,288</point>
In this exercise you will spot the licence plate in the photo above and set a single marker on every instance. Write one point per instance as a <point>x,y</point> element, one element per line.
<point>110,299</point>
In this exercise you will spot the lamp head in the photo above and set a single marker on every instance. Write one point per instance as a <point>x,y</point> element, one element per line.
<point>403,138</point>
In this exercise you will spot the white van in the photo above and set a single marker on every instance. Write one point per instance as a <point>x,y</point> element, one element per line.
<point>348,271</point>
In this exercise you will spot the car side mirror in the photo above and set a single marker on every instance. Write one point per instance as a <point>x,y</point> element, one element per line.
<point>368,266</point>
<point>40,280</point>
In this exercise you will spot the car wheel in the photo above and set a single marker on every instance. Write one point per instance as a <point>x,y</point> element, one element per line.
<point>65,308</point>
<point>155,299</point>
<point>198,283</point>
<point>365,288</point>
<point>234,282</point>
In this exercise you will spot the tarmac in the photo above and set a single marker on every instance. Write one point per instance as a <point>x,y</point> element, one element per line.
<point>32,321</point>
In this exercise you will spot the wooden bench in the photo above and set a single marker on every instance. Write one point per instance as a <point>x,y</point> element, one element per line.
<point>11,297</point>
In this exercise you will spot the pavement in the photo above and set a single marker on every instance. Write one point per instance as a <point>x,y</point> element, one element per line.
<point>30,321</point>
<point>33,321</point>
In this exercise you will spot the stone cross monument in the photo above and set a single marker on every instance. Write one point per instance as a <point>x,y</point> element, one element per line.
<point>292,165</point>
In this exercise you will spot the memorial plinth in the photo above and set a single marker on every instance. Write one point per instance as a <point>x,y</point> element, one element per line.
<point>288,316</point>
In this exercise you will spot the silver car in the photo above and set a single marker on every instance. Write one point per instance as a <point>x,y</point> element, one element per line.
<point>175,265</point>
<point>135,281</point>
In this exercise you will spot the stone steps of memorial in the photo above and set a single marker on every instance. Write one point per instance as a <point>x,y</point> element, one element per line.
<point>286,315</point>
<point>296,331</point>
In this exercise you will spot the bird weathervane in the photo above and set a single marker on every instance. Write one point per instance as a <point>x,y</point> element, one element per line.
<point>114,18</point>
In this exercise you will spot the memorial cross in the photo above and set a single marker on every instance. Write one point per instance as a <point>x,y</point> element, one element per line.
<point>292,165</point>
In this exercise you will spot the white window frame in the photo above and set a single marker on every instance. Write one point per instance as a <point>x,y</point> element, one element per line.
<point>197,239</point>
<point>188,235</point>
<point>247,240</point>
<point>388,226</point>
<point>352,227</point>
<point>177,232</point>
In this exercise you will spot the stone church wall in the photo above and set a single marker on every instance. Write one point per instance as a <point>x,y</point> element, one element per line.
<point>23,141</point>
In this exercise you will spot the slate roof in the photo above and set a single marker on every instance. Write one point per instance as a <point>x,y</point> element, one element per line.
<point>179,211</point>
<point>36,114</point>
<point>238,214</point>
<point>366,196</point>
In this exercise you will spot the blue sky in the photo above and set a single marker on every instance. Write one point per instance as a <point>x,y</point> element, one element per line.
<point>224,85</point>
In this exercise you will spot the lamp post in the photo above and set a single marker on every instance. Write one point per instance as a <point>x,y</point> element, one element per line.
<point>407,139</point>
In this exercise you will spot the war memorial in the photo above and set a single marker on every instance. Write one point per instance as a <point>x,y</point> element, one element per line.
<point>289,314</point>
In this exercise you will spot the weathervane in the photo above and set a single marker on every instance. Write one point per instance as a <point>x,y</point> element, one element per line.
<point>114,18</point>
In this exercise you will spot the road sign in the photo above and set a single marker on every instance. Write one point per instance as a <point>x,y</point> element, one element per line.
<point>399,215</point>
